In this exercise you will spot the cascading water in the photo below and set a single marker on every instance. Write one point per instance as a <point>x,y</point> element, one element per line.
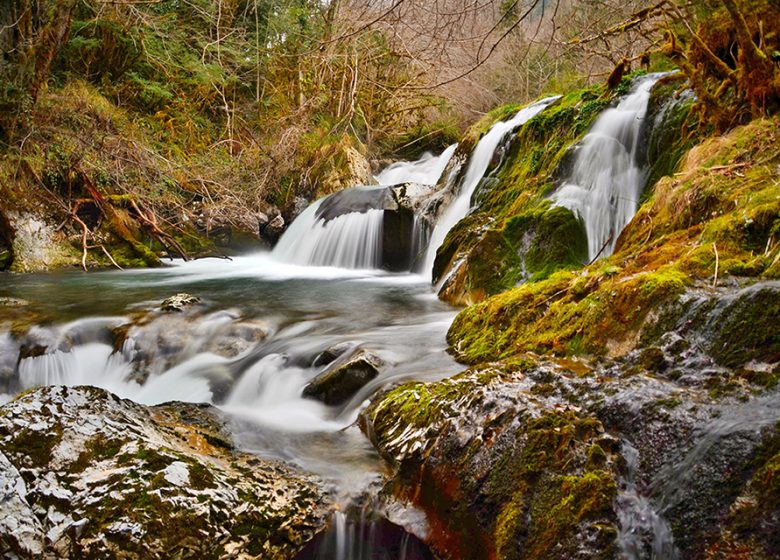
<point>479,162</point>
<point>644,535</point>
<point>607,176</point>
<point>353,238</point>
<point>427,170</point>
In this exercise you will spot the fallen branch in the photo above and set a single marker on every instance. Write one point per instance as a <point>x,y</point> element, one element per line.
<point>607,242</point>
<point>151,223</point>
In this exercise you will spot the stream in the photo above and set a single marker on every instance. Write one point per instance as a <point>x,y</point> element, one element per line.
<point>254,340</point>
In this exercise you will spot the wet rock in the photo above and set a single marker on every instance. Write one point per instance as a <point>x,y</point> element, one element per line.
<point>294,209</point>
<point>179,302</point>
<point>481,454</point>
<point>153,343</point>
<point>271,227</point>
<point>343,378</point>
<point>331,353</point>
<point>85,474</point>
<point>501,471</point>
<point>401,244</point>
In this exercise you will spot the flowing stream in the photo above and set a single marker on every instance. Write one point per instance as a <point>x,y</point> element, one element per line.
<point>256,338</point>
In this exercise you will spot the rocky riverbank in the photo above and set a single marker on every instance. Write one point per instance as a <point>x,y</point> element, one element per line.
<point>85,474</point>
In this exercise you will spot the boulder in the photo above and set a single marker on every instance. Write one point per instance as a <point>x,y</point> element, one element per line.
<point>500,471</point>
<point>272,229</point>
<point>178,302</point>
<point>85,474</point>
<point>343,378</point>
<point>405,219</point>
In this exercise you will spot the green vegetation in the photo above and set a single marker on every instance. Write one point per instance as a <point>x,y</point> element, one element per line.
<point>724,200</point>
<point>548,475</point>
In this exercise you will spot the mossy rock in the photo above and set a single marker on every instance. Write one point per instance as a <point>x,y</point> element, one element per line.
<point>549,239</point>
<point>512,199</point>
<point>691,223</point>
<point>498,473</point>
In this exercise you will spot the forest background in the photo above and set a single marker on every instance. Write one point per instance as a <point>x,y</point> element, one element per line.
<point>175,116</point>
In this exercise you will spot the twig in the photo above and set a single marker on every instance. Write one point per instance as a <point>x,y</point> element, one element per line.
<point>607,242</point>
<point>110,257</point>
<point>717,264</point>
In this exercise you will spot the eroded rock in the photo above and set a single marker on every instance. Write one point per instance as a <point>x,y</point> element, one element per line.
<point>84,473</point>
<point>493,454</point>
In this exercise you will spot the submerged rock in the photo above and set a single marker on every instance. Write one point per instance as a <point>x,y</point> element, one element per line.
<point>343,378</point>
<point>85,474</point>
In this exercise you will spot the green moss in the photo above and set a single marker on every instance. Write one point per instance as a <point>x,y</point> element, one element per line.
<point>515,234</point>
<point>96,449</point>
<point>200,476</point>
<point>550,239</point>
<point>668,246</point>
<point>34,448</point>
<point>563,505</point>
<point>675,129</point>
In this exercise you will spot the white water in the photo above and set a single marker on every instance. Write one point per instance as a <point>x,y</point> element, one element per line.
<point>607,179</point>
<point>262,384</point>
<point>643,533</point>
<point>478,164</point>
<point>352,240</point>
<point>427,170</point>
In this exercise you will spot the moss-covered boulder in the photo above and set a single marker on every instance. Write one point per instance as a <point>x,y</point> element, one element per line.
<point>536,457</point>
<point>500,471</point>
<point>85,474</point>
<point>512,225</point>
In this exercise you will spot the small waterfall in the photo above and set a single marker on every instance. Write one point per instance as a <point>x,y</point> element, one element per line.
<point>352,240</point>
<point>479,162</point>
<point>643,534</point>
<point>427,170</point>
<point>345,229</point>
<point>608,176</point>
<point>364,534</point>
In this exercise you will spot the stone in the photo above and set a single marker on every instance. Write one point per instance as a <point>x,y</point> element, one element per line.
<point>404,216</point>
<point>86,474</point>
<point>272,230</point>
<point>333,352</point>
<point>342,379</point>
<point>178,302</point>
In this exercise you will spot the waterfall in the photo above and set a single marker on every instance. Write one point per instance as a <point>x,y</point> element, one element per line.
<point>352,240</point>
<point>345,229</point>
<point>607,176</point>
<point>425,170</point>
<point>643,533</point>
<point>478,164</point>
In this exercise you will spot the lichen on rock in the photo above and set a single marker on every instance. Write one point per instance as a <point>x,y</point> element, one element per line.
<point>87,474</point>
